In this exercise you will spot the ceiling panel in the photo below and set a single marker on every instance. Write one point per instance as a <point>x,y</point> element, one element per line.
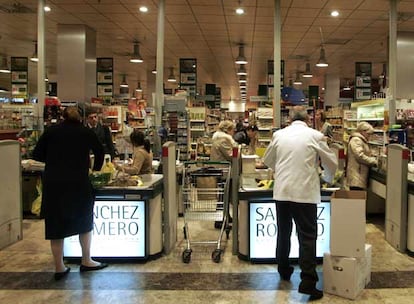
<point>210,31</point>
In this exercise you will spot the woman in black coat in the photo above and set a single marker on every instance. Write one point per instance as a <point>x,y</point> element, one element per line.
<point>68,198</point>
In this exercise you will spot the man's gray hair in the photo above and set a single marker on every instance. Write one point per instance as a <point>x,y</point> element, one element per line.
<point>298,113</point>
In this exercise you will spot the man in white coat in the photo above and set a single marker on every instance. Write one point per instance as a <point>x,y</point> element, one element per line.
<point>294,155</point>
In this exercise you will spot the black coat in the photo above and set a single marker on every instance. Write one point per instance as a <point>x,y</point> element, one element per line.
<point>68,198</point>
<point>105,138</point>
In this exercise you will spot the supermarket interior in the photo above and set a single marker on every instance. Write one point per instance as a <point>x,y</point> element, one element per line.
<point>177,71</point>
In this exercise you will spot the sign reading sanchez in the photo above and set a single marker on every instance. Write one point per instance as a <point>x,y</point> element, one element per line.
<point>119,231</point>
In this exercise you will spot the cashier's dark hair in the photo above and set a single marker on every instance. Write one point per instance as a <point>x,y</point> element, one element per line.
<point>137,138</point>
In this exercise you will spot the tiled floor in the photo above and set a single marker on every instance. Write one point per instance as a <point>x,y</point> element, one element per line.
<point>26,276</point>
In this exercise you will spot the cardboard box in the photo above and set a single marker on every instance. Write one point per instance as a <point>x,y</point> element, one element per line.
<point>347,237</point>
<point>346,277</point>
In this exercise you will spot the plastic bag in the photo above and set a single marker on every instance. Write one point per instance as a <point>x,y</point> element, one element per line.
<point>37,203</point>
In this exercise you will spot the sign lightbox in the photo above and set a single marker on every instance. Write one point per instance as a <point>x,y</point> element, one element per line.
<point>118,231</point>
<point>263,231</point>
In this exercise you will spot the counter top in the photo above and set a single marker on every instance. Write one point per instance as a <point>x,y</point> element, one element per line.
<point>149,180</point>
<point>381,177</point>
<point>153,185</point>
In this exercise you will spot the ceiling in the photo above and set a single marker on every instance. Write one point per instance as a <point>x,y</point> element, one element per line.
<point>210,31</point>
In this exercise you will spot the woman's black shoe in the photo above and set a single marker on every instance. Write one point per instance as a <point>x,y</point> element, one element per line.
<point>60,275</point>
<point>100,266</point>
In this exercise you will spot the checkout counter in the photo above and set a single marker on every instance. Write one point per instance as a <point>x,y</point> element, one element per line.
<point>255,233</point>
<point>127,222</point>
<point>257,227</point>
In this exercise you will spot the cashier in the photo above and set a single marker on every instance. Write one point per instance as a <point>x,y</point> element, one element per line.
<point>141,155</point>
<point>247,136</point>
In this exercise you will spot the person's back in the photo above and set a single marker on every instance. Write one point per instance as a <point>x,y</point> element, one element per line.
<point>296,162</point>
<point>294,155</point>
<point>222,142</point>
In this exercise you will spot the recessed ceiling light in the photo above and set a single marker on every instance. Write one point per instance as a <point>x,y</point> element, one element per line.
<point>239,11</point>
<point>334,13</point>
<point>47,8</point>
<point>143,9</point>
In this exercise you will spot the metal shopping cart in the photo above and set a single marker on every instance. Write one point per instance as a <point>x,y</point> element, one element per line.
<point>206,187</point>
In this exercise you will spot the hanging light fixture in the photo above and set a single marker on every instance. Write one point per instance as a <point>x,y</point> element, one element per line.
<point>136,56</point>
<point>307,73</point>
<point>154,70</point>
<point>243,79</point>
<point>297,79</point>
<point>138,89</point>
<point>34,57</point>
<point>124,83</point>
<point>242,70</point>
<point>46,77</point>
<point>241,59</point>
<point>4,67</point>
<point>171,77</point>
<point>322,63</point>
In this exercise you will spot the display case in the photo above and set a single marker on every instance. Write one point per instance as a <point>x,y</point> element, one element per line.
<point>213,120</point>
<point>264,118</point>
<point>112,117</point>
<point>175,122</point>
<point>335,117</point>
<point>197,119</point>
<point>372,111</point>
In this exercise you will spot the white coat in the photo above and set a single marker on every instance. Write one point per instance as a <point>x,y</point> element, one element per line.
<point>294,155</point>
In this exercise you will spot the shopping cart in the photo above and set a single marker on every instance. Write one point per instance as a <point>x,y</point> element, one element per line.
<point>206,198</point>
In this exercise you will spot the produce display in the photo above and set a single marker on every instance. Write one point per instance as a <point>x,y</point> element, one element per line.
<point>99,179</point>
<point>265,183</point>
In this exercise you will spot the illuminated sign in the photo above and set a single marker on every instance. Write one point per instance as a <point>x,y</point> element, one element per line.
<point>118,231</point>
<point>263,231</point>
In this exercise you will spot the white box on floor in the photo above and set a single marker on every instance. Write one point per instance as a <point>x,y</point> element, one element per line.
<point>347,237</point>
<point>346,277</point>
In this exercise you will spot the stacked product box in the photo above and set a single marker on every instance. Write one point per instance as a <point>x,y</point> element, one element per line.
<point>347,268</point>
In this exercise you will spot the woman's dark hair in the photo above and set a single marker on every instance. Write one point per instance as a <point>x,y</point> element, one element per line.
<point>137,138</point>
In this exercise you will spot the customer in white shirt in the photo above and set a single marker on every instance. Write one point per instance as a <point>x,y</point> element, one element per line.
<point>294,155</point>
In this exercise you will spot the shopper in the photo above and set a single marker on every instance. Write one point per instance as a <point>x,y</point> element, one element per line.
<point>141,155</point>
<point>103,132</point>
<point>323,125</point>
<point>247,136</point>
<point>223,142</point>
<point>222,150</point>
<point>123,139</point>
<point>359,157</point>
<point>293,154</point>
<point>67,200</point>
